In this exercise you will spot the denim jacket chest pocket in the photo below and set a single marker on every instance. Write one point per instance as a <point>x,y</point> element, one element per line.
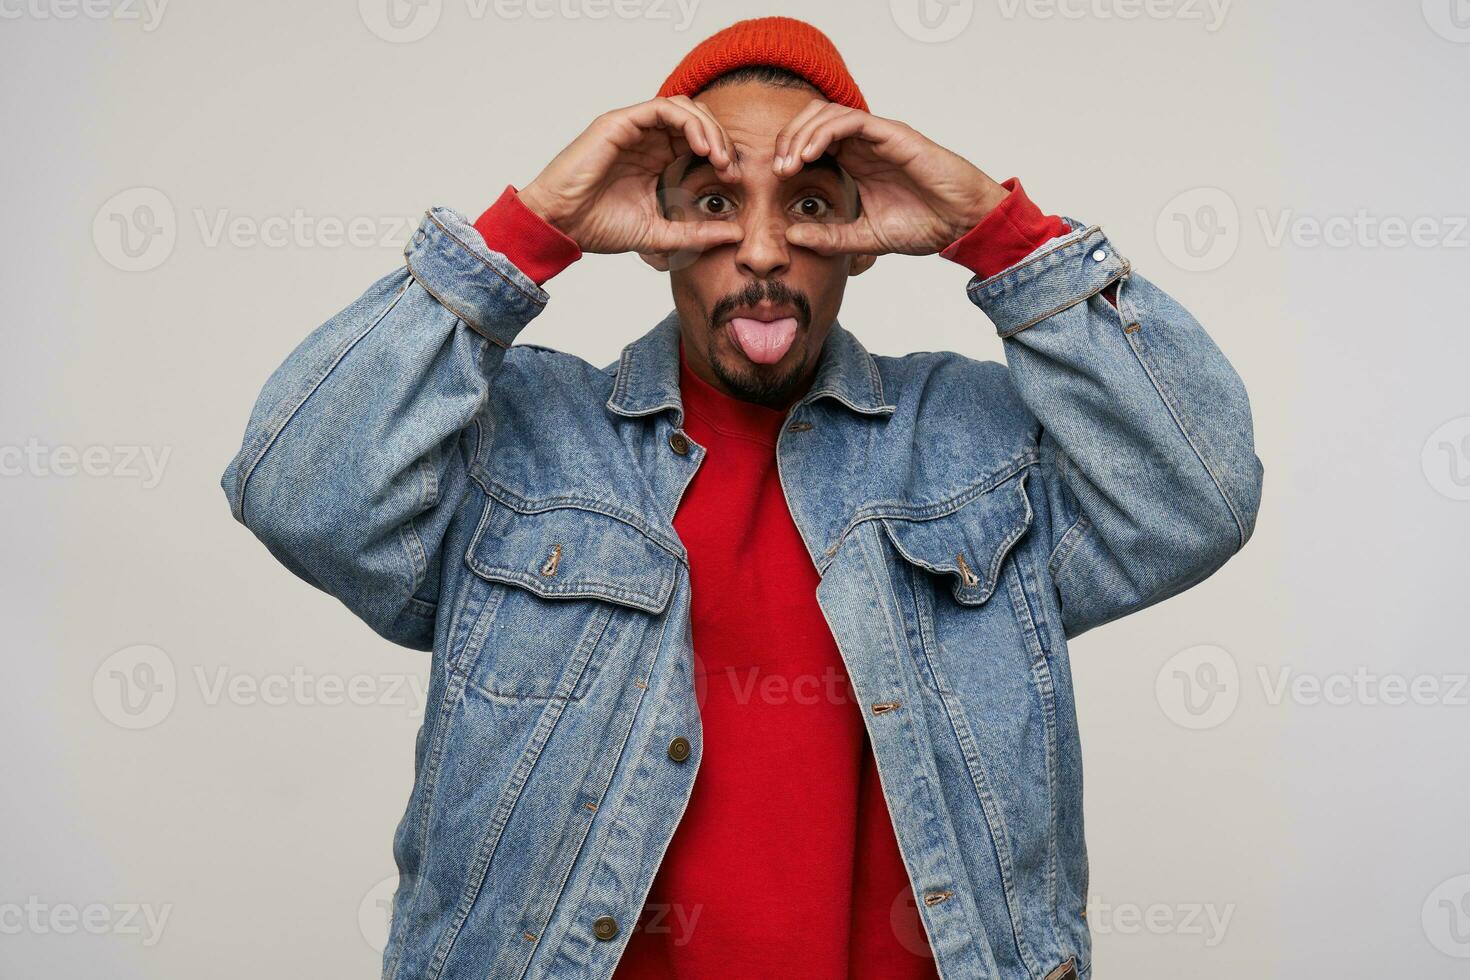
<point>961,584</point>
<point>557,590</point>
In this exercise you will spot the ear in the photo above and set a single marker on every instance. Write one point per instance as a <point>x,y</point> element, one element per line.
<point>658,260</point>
<point>860,264</point>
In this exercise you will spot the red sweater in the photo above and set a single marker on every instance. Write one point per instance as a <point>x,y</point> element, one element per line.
<point>785,862</point>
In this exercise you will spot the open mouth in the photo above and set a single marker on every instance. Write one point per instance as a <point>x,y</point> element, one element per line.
<point>765,333</point>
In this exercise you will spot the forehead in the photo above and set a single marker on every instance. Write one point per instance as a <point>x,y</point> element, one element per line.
<point>753,113</point>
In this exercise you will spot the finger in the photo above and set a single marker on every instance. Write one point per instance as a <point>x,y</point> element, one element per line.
<point>667,114</point>
<point>801,138</point>
<point>673,236</point>
<point>732,168</point>
<point>853,238</point>
<point>890,140</point>
<point>722,153</point>
<point>782,146</point>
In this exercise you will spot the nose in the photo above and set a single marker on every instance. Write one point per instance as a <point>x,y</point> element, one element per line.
<point>763,252</point>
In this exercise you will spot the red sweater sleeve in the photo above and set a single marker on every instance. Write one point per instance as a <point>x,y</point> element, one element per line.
<point>531,243</point>
<point>1008,234</point>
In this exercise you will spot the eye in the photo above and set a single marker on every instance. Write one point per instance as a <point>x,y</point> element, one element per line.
<point>713,204</point>
<point>814,206</point>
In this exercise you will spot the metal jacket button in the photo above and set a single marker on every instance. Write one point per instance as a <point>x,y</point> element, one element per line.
<point>679,443</point>
<point>604,927</point>
<point>679,749</point>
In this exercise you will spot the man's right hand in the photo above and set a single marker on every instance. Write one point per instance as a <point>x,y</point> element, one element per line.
<point>601,191</point>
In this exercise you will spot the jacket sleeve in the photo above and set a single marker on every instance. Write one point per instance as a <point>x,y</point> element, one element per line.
<point>357,452</point>
<point>1146,446</point>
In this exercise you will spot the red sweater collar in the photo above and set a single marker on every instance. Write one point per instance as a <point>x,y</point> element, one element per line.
<point>726,413</point>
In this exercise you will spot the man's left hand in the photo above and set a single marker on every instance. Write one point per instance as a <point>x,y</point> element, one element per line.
<point>917,196</point>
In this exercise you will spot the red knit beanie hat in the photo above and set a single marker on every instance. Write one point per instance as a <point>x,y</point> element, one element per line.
<point>783,41</point>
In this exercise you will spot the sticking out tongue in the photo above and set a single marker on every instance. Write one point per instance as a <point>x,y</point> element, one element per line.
<point>764,341</point>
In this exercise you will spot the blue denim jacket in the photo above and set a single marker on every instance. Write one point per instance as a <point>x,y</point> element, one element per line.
<point>510,508</point>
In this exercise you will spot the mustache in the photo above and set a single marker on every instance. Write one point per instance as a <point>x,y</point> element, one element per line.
<point>774,291</point>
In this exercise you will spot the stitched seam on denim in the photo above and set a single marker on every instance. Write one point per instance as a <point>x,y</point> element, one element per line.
<point>453,685</point>
<point>475,876</point>
<point>1176,415</point>
<point>1069,543</point>
<point>1047,693</point>
<point>829,392</point>
<point>409,534</point>
<point>879,575</point>
<point>587,645</point>
<point>582,589</point>
<point>928,639</point>
<point>509,280</point>
<point>461,662</point>
<point>994,821</point>
<point>523,505</point>
<point>901,511</point>
<point>287,415</point>
<point>877,379</point>
<point>626,369</point>
<point>1018,275</point>
<point>597,860</point>
<point>462,317</point>
<point>1011,332</point>
<point>509,500</point>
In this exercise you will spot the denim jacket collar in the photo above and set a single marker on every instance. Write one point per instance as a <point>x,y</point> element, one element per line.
<point>648,374</point>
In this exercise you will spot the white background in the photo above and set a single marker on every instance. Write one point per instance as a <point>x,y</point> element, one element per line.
<point>1236,829</point>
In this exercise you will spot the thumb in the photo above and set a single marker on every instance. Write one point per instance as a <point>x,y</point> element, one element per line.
<point>696,236</point>
<point>854,238</point>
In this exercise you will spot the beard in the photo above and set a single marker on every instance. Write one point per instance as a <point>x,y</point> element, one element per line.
<point>771,385</point>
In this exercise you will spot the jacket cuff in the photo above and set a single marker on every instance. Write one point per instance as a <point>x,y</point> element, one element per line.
<point>477,284</point>
<point>1005,236</point>
<point>529,241</point>
<point>1064,272</point>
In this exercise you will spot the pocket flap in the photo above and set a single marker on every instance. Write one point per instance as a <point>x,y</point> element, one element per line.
<point>572,552</point>
<point>969,542</point>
